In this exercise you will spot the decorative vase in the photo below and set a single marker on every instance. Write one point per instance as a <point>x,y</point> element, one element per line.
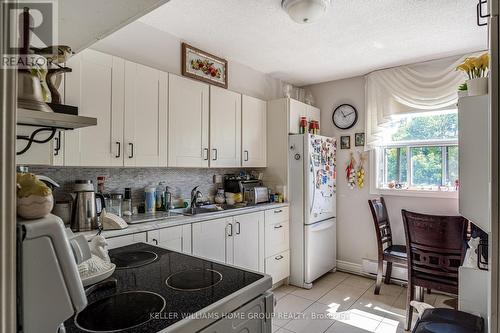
<point>477,86</point>
<point>463,93</point>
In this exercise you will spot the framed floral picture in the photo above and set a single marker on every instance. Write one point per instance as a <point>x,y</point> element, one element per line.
<point>203,66</point>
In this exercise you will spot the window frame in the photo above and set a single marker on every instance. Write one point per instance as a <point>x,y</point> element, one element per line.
<point>378,169</point>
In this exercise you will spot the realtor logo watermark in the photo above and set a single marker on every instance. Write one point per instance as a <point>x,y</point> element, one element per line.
<point>38,30</point>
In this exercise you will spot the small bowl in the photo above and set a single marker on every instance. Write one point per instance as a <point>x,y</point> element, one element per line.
<point>34,206</point>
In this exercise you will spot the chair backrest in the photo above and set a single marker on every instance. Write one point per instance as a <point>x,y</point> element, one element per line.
<point>436,247</point>
<point>381,223</point>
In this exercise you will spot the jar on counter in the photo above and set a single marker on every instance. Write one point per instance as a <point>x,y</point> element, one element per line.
<point>127,202</point>
<point>150,199</point>
<point>115,204</point>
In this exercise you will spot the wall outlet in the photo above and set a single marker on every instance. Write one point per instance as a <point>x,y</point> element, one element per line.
<point>217,179</point>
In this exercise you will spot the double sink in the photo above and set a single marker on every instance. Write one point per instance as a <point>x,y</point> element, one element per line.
<point>191,211</point>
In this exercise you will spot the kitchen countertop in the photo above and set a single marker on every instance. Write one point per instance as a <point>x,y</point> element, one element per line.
<point>158,220</point>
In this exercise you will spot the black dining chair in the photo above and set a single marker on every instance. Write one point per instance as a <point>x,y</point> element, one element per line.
<point>387,251</point>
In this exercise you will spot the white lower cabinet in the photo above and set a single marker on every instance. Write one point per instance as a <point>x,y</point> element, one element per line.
<point>231,240</point>
<point>174,238</point>
<point>278,266</point>
<point>209,238</point>
<point>114,242</point>
<point>277,244</point>
<point>245,240</point>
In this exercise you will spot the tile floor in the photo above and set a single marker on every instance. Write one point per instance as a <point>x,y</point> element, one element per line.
<point>344,303</point>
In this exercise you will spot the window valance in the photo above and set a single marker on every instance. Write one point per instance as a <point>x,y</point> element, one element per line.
<point>428,86</point>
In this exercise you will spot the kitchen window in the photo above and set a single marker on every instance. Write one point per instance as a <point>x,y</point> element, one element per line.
<point>419,153</point>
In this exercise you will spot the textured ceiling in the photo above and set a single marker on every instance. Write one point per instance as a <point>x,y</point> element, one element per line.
<point>354,38</point>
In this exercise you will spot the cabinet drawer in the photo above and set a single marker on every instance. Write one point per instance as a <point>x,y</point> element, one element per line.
<point>278,266</point>
<point>277,215</point>
<point>115,242</point>
<point>276,237</point>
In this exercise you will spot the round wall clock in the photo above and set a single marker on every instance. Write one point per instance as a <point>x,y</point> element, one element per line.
<point>344,116</point>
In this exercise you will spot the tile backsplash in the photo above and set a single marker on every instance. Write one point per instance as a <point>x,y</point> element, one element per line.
<point>180,180</point>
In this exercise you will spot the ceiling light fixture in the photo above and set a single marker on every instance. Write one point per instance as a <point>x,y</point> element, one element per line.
<point>305,11</point>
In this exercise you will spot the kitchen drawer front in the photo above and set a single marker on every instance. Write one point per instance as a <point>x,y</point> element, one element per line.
<point>169,238</point>
<point>278,266</point>
<point>276,237</point>
<point>277,215</point>
<point>115,242</point>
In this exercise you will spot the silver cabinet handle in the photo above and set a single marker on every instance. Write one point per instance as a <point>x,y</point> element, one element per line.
<point>205,154</point>
<point>119,149</point>
<point>230,233</point>
<point>238,230</point>
<point>278,226</point>
<point>214,158</point>
<point>131,145</point>
<point>246,155</point>
<point>278,257</point>
<point>278,211</point>
<point>57,139</point>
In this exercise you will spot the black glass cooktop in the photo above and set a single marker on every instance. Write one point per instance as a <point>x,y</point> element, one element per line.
<point>194,279</point>
<point>132,259</point>
<point>186,283</point>
<point>120,311</point>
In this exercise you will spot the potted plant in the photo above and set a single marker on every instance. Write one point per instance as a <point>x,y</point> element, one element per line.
<point>476,69</point>
<point>462,90</point>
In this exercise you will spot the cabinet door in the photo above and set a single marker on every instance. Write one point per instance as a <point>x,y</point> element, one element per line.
<point>246,240</point>
<point>120,241</point>
<point>145,127</point>
<point>168,238</point>
<point>209,238</point>
<point>188,123</point>
<point>296,110</point>
<point>225,128</point>
<point>253,132</point>
<point>96,86</point>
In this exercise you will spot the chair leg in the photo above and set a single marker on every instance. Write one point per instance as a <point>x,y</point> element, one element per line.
<point>380,271</point>
<point>410,293</point>
<point>388,272</point>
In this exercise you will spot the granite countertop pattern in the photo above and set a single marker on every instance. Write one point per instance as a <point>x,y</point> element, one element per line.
<point>159,220</point>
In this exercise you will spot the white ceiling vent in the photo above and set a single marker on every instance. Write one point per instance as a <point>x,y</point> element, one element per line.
<point>305,11</point>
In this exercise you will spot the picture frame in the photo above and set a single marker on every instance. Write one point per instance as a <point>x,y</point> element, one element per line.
<point>203,66</point>
<point>345,142</point>
<point>359,139</point>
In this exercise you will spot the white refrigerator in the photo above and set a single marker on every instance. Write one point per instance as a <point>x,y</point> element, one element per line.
<point>312,187</point>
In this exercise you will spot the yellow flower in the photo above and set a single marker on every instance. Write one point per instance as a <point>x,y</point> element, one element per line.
<point>484,60</point>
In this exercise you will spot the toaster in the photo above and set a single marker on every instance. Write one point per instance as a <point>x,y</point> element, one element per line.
<point>256,195</point>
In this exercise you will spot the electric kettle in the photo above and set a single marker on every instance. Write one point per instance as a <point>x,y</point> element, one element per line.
<point>87,206</point>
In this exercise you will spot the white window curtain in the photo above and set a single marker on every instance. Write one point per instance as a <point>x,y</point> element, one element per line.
<point>421,87</point>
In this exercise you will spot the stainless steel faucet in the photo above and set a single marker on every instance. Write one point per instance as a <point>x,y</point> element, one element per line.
<point>195,197</point>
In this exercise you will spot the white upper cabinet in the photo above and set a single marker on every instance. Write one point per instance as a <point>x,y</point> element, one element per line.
<point>92,87</point>
<point>298,109</point>
<point>145,138</point>
<point>253,132</point>
<point>188,123</point>
<point>225,128</point>
<point>474,154</point>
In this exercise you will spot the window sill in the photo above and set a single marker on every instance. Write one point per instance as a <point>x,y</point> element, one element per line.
<point>416,193</point>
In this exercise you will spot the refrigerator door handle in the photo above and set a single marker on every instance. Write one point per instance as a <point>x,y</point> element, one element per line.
<point>322,226</point>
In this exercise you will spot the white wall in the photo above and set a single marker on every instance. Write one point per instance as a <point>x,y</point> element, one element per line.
<point>355,232</point>
<point>149,46</point>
